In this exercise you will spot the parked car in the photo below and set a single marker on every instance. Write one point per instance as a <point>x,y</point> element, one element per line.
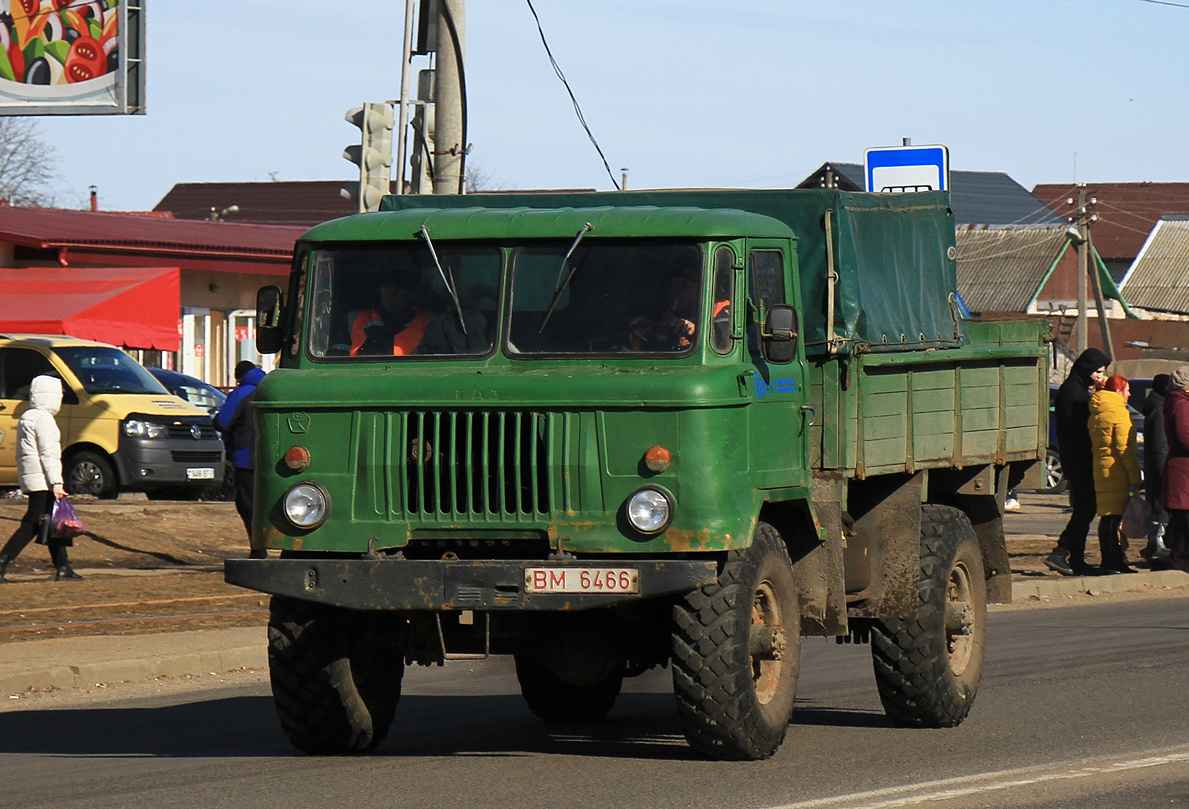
<point>1054,480</point>
<point>209,398</point>
<point>193,390</point>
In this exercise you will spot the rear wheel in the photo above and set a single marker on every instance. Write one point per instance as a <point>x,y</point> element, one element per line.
<point>90,473</point>
<point>555,700</point>
<point>928,667</point>
<point>736,645</point>
<point>336,674</point>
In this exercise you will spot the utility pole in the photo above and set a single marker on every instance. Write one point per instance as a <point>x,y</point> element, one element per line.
<point>1087,274</point>
<point>448,134</point>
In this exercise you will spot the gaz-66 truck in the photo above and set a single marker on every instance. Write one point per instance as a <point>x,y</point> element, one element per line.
<point>608,432</point>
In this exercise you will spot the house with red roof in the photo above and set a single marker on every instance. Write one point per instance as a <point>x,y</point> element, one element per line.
<point>176,293</point>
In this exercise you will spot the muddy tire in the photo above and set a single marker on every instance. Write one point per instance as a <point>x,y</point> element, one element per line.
<point>928,668</point>
<point>335,673</point>
<point>736,645</point>
<point>555,700</point>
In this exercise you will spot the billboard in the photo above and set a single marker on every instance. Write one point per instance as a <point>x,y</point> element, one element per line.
<point>71,57</point>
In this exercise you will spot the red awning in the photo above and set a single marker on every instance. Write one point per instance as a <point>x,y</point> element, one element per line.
<point>137,308</point>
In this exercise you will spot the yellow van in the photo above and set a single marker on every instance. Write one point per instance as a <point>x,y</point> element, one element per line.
<point>121,429</point>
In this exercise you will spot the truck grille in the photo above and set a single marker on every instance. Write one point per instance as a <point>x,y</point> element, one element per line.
<point>478,463</point>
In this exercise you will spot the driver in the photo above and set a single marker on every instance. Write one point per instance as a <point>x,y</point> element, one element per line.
<point>396,327</point>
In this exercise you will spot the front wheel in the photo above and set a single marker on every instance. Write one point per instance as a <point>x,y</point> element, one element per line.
<point>928,667</point>
<point>335,673</point>
<point>736,649</point>
<point>90,473</point>
<point>1055,481</point>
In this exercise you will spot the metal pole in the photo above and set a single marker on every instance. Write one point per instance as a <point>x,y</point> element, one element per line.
<point>1080,330</point>
<point>448,145</point>
<point>403,117</point>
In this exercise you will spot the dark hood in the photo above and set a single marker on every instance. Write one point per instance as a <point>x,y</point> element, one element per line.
<point>1087,363</point>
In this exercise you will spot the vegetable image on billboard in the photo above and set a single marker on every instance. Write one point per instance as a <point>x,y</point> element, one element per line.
<point>68,57</point>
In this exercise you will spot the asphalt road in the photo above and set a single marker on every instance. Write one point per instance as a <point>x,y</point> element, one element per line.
<point>1080,706</point>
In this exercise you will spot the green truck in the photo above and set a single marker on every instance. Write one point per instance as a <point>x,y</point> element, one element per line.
<point>608,432</point>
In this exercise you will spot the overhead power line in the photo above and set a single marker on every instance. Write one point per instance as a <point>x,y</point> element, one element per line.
<point>577,109</point>
<point>1166,3</point>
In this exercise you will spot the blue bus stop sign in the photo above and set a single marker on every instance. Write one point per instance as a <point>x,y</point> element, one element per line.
<point>904,169</point>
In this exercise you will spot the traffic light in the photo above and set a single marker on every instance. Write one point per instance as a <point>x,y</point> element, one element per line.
<point>373,155</point>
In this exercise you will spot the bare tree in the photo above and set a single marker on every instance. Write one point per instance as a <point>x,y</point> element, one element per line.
<point>28,167</point>
<point>478,180</point>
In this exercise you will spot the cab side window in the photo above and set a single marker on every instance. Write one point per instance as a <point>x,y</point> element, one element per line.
<point>720,313</point>
<point>18,366</point>
<point>767,272</point>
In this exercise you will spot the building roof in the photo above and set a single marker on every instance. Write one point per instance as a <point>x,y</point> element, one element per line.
<point>1001,269</point>
<point>304,203</point>
<point>1126,212</point>
<point>87,233</point>
<point>976,197</point>
<point>1159,277</point>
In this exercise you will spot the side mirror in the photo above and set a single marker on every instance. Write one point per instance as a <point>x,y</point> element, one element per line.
<point>780,334</point>
<point>269,335</point>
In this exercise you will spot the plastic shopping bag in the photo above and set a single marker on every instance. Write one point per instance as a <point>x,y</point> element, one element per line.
<point>1135,518</point>
<point>65,523</point>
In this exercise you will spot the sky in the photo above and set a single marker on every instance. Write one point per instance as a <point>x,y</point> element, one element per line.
<point>722,93</point>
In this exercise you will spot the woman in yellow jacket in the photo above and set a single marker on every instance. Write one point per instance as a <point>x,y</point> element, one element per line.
<point>1115,466</point>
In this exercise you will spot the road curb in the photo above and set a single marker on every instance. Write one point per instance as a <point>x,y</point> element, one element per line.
<point>135,669</point>
<point>1096,585</point>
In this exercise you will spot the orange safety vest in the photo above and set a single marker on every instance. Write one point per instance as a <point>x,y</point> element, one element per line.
<point>403,342</point>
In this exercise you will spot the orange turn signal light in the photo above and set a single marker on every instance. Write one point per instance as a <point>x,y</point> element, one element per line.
<point>297,458</point>
<point>657,459</point>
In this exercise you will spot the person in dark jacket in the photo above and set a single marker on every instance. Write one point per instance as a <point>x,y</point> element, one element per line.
<point>236,420</point>
<point>1155,451</point>
<point>1176,468</point>
<point>1072,410</point>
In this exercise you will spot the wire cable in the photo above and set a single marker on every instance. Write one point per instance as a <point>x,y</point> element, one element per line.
<point>577,109</point>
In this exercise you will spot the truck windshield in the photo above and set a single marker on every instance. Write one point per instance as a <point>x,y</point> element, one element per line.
<point>608,297</point>
<point>387,301</point>
<point>109,370</point>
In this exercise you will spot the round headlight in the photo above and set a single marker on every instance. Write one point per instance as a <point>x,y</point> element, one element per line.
<point>306,505</point>
<point>649,511</point>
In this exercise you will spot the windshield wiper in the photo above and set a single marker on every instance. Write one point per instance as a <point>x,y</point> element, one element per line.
<point>560,287</point>
<point>449,282</point>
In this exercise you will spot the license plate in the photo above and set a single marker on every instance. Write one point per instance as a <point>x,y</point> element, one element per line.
<point>582,580</point>
<point>200,474</point>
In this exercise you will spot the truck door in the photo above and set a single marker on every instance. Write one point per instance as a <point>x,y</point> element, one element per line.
<point>779,425</point>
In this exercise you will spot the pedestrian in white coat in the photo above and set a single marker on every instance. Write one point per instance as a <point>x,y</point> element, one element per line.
<point>39,472</point>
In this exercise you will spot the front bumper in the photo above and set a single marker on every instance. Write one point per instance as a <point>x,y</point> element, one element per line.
<point>400,584</point>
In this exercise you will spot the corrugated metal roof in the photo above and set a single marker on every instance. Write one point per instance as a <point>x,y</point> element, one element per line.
<point>1000,269</point>
<point>976,197</point>
<point>52,227</point>
<point>1127,212</point>
<point>1159,278</point>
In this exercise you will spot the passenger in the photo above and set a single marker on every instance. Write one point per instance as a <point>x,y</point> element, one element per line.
<point>1176,468</point>
<point>396,328</point>
<point>39,472</point>
<point>673,327</point>
<point>1155,452</point>
<point>1115,467</point>
<point>1073,439</point>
